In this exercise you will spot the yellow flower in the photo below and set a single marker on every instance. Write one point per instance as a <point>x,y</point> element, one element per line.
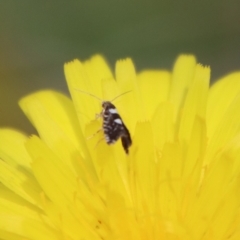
<point>180,180</point>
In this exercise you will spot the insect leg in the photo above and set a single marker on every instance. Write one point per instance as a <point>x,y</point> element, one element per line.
<point>98,142</point>
<point>99,115</point>
<point>99,130</point>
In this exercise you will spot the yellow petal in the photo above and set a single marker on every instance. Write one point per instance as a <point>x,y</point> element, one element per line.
<point>54,117</point>
<point>127,229</point>
<point>221,95</point>
<point>182,76</point>
<point>196,101</point>
<point>162,124</point>
<point>125,74</point>
<point>217,202</point>
<point>11,203</point>
<point>11,236</point>
<point>144,166</point>
<point>154,89</point>
<point>56,179</point>
<point>19,218</point>
<point>111,168</point>
<point>15,170</point>
<point>127,81</point>
<point>12,148</point>
<point>27,228</point>
<point>227,129</point>
<point>193,160</point>
<point>169,174</point>
<point>61,187</point>
<point>86,77</point>
<point>20,182</point>
<point>97,70</point>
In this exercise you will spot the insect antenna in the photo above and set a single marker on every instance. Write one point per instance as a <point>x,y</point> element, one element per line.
<point>89,94</point>
<point>120,95</point>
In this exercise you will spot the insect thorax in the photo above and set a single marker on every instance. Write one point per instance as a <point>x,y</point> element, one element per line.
<point>107,105</point>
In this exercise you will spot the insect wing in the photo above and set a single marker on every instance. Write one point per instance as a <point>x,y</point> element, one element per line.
<point>126,139</point>
<point>113,128</point>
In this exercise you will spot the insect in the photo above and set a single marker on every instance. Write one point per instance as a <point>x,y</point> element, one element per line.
<point>113,125</point>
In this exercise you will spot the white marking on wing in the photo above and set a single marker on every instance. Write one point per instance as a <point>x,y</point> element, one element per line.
<point>118,120</point>
<point>113,110</point>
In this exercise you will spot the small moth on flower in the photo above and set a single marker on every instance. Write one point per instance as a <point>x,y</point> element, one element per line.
<point>113,125</point>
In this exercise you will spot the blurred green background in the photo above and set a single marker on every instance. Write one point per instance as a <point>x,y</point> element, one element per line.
<point>37,37</point>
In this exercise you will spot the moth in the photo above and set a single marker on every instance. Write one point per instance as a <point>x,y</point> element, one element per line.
<point>113,125</point>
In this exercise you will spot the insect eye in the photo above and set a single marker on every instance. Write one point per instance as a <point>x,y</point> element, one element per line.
<point>104,104</point>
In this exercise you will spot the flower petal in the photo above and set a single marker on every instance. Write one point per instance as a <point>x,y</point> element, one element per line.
<point>127,81</point>
<point>54,117</point>
<point>226,130</point>
<point>144,168</point>
<point>154,89</point>
<point>11,139</point>
<point>112,167</point>
<point>182,76</point>
<point>18,217</point>
<point>61,187</point>
<point>20,182</point>
<point>54,176</point>
<point>27,228</point>
<point>97,70</point>
<point>162,125</point>
<point>221,95</point>
<point>15,170</point>
<point>87,77</point>
<point>195,102</point>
